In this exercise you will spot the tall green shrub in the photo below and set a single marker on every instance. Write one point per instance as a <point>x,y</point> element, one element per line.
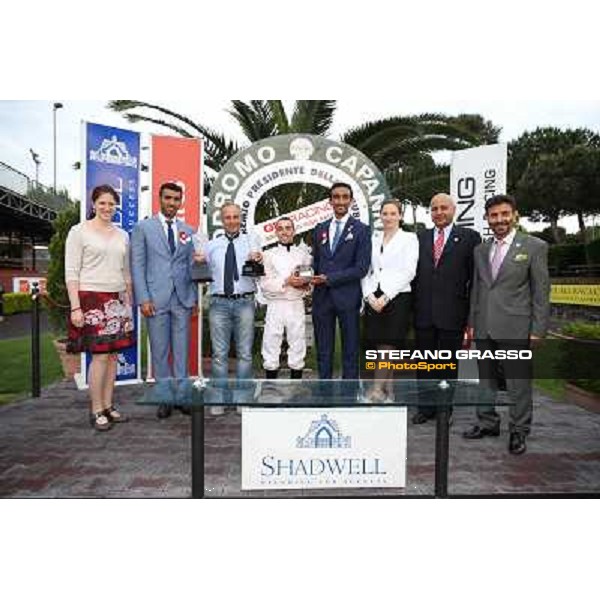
<point>56,288</point>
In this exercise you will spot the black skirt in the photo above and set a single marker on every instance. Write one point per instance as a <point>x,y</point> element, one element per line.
<point>390,326</point>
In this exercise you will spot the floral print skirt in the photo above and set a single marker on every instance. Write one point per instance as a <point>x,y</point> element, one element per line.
<point>108,324</point>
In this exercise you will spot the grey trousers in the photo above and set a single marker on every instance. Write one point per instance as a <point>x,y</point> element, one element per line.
<point>518,377</point>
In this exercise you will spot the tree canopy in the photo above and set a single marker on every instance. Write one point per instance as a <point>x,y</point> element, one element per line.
<point>554,173</point>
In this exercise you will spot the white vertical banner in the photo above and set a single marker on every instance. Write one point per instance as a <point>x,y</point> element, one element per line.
<point>477,174</point>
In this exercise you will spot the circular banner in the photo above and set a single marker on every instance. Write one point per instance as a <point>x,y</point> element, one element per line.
<point>292,159</point>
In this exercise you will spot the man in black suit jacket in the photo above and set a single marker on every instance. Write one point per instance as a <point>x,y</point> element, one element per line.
<point>442,286</point>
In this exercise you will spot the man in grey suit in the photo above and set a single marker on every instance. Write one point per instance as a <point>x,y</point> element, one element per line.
<point>510,306</point>
<point>162,254</point>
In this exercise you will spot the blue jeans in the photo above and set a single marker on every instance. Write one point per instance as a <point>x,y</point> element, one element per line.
<point>227,318</point>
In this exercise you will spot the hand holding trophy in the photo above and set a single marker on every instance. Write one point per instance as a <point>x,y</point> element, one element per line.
<point>305,272</point>
<point>253,266</point>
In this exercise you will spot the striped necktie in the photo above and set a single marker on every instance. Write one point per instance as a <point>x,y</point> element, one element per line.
<point>438,247</point>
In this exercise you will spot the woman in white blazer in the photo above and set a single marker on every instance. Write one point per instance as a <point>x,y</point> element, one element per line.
<point>386,288</point>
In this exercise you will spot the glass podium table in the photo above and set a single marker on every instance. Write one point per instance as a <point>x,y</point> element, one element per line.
<point>197,394</point>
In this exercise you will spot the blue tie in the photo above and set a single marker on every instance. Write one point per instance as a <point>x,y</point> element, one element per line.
<point>231,271</point>
<point>170,236</point>
<point>336,235</point>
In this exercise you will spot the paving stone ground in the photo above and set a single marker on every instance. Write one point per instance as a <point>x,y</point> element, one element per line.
<point>48,450</point>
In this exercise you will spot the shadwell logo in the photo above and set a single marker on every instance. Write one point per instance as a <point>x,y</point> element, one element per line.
<point>326,469</point>
<point>113,152</point>
<point>324,433</point>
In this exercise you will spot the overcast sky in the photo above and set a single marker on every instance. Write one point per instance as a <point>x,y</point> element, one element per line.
<point>28,124</point>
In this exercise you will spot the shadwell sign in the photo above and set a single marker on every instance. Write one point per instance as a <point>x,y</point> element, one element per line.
<point>293,448</point>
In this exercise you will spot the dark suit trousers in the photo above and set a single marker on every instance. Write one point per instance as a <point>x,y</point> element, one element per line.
<point>432,338</point>
<point>324,320</point>
<point>518,385</point>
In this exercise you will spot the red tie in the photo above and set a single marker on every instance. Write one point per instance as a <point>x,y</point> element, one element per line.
<point>438,247</point>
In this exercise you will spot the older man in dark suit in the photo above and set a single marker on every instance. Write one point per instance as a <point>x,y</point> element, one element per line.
<point>510,306</point>
<point>341,258</point>
<point>442,287</point>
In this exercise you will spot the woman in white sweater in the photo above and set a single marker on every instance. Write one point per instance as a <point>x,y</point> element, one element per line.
<point>99,286</point>
<point>386,288</point>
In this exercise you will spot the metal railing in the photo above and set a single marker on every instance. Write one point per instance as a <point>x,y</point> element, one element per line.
<point>19,183</point>
<point>585,271</point>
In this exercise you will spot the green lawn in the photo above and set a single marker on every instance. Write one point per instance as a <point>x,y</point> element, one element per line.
<point>555,388</point>
<point>549,353</point>
<point>15,366</point>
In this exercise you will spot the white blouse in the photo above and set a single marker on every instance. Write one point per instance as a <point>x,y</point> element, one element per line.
<point>393,266</point>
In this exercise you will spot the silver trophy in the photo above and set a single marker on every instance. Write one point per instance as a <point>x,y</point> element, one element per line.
<point>200,271</point>
<point>253,268</point>
<point>306,272</point>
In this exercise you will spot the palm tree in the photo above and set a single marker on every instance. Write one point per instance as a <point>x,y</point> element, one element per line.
<point>258,119</point>
<point>400,146</point>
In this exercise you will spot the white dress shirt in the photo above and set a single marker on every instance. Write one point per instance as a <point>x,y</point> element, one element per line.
<point>393,266</point>
<point>216,251</point>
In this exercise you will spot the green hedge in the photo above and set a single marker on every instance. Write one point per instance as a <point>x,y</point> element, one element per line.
<point>564,255</point>
<point>593,249</point>
<point>17,303</point>
<point>582,330</point>
<point>582,357</point>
